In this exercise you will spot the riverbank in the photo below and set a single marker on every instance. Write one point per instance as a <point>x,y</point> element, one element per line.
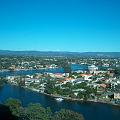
<point>6,70</point>
<point>20,70</point>
<point>80,100</point>
<point>72,99</point>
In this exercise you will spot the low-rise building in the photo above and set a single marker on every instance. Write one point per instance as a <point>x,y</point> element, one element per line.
<point>116,95</point>
<point>92,68</point>
<point>87,77</point>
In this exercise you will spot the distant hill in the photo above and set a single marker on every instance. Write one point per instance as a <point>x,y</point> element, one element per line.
<point>56,53</point>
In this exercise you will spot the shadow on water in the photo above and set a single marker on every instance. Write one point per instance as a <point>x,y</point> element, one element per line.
<point>5,113</point>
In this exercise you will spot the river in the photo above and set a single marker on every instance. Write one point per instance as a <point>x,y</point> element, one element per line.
<point>91,111</point>
<point>74,67</point>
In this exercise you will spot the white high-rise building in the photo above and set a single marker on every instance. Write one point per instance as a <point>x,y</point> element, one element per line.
<point>92,68</point>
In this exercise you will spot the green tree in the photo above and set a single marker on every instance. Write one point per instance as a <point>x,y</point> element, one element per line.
<point>117,72</point>
<point>14,106</point>
<point>80,95</point>
<point>67,115</point>
<point>50,87</point>
<point>35,112</point>
<point>2,81</point>
<point>66,67</point>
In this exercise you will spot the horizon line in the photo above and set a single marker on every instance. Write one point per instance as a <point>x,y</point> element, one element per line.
<point>59,51</point>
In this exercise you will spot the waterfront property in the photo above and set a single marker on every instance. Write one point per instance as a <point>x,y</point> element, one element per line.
<point>79,85</point>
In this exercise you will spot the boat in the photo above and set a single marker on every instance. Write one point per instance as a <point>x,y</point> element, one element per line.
<point>59,99</point>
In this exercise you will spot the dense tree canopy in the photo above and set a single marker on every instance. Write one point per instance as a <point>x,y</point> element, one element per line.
<point>14,106</point>
<point>34,112</point>
<point>37,112</point>
<point>67,115</point>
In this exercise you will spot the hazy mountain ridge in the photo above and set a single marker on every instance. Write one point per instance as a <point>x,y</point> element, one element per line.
<point>59,53</point>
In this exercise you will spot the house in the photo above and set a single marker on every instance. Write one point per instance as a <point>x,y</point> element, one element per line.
<point>10,78</point>
<point>56,75</point>
<point>103,86</point>
<point>100,72</point>
<point>78,80</point>
<point>108,95</point>
<point>86,76</point>
<point>29,81</point>
<point>116,95</point>
<point>66,80</point>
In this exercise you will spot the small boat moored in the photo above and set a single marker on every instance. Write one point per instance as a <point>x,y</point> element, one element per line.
<point>59,99</point>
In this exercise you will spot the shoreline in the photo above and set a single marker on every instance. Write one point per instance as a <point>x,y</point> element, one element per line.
<point>72,99</point>
<point>6,70</point>
<point>79,100</point>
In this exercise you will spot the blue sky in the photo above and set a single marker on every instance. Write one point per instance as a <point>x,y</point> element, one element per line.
<point>60,25</point>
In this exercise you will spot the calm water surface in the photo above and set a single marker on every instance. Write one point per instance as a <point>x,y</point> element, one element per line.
<point>74,67</point>
<point>91,111</point>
